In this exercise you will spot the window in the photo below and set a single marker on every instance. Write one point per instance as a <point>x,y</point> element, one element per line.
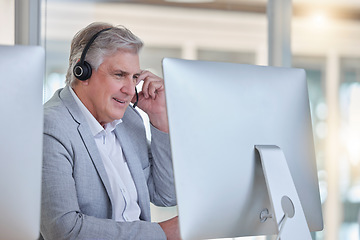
<point>349,106</point>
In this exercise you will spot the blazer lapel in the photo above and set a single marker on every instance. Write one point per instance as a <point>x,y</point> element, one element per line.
<point>87,138</point>
<point>134,164</point>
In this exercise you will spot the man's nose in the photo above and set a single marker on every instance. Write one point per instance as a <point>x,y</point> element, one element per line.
<point>129,86</point>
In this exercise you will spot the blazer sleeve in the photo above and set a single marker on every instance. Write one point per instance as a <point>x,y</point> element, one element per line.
<point>61,217</point>
<point>161,183</point>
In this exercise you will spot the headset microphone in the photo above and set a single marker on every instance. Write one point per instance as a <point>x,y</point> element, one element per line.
<point>137,98</point>
<point>82,69</point>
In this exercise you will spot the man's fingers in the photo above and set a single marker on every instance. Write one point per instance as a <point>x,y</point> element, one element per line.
<point>154,88</point>
<point>152,84</point>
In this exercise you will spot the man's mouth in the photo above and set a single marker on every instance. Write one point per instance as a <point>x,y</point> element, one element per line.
<point>118,100</point>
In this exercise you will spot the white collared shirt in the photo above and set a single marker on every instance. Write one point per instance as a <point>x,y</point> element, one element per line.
<point>125,206</point>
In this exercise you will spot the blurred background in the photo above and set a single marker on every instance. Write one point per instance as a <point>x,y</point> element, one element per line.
<point>325,37</point>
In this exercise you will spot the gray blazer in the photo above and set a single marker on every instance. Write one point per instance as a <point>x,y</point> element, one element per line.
<point>76,195</point>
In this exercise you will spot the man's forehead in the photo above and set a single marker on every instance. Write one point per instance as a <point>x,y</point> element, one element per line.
<point>123,62</point>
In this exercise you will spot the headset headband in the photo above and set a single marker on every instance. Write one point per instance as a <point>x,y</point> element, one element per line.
<point>83,55</point>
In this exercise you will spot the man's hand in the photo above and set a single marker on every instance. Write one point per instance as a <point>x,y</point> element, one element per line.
<point>152,100</point>
<point>171,228</point>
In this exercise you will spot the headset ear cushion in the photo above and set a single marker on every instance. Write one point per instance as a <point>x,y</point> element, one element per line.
<point>82,71</point>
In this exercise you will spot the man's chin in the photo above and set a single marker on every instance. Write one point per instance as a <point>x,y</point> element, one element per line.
<point>118,114</point>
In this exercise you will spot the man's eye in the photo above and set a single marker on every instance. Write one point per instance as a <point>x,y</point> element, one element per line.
<point>120,75</point>
<point>136,78</point>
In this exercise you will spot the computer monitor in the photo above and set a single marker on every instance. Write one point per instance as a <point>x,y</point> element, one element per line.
<point>21,124</point>
<point>219,113</point>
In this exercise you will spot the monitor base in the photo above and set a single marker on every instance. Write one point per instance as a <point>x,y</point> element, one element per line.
<point>288,212</point>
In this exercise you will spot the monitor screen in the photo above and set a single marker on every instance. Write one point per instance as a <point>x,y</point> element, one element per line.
<point>218,112</point>
<point>21,125</point>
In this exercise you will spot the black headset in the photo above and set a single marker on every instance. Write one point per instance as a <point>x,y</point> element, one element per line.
<point>82,70</point>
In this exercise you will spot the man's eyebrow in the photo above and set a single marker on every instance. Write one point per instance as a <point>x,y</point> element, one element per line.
<point>117,71</point>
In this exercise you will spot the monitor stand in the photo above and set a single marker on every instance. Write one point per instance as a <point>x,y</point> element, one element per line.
<point>288,212</point>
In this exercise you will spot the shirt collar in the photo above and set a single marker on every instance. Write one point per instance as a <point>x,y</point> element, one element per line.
<point>94,125</point>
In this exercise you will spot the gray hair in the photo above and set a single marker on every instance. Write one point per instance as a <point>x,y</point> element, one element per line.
<point>106,44</point>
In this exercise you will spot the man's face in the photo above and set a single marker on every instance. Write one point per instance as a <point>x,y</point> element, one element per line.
<point>110,89</point>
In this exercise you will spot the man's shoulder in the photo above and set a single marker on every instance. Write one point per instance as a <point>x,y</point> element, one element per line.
<point>56,114</point>
<point>54,106</point>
